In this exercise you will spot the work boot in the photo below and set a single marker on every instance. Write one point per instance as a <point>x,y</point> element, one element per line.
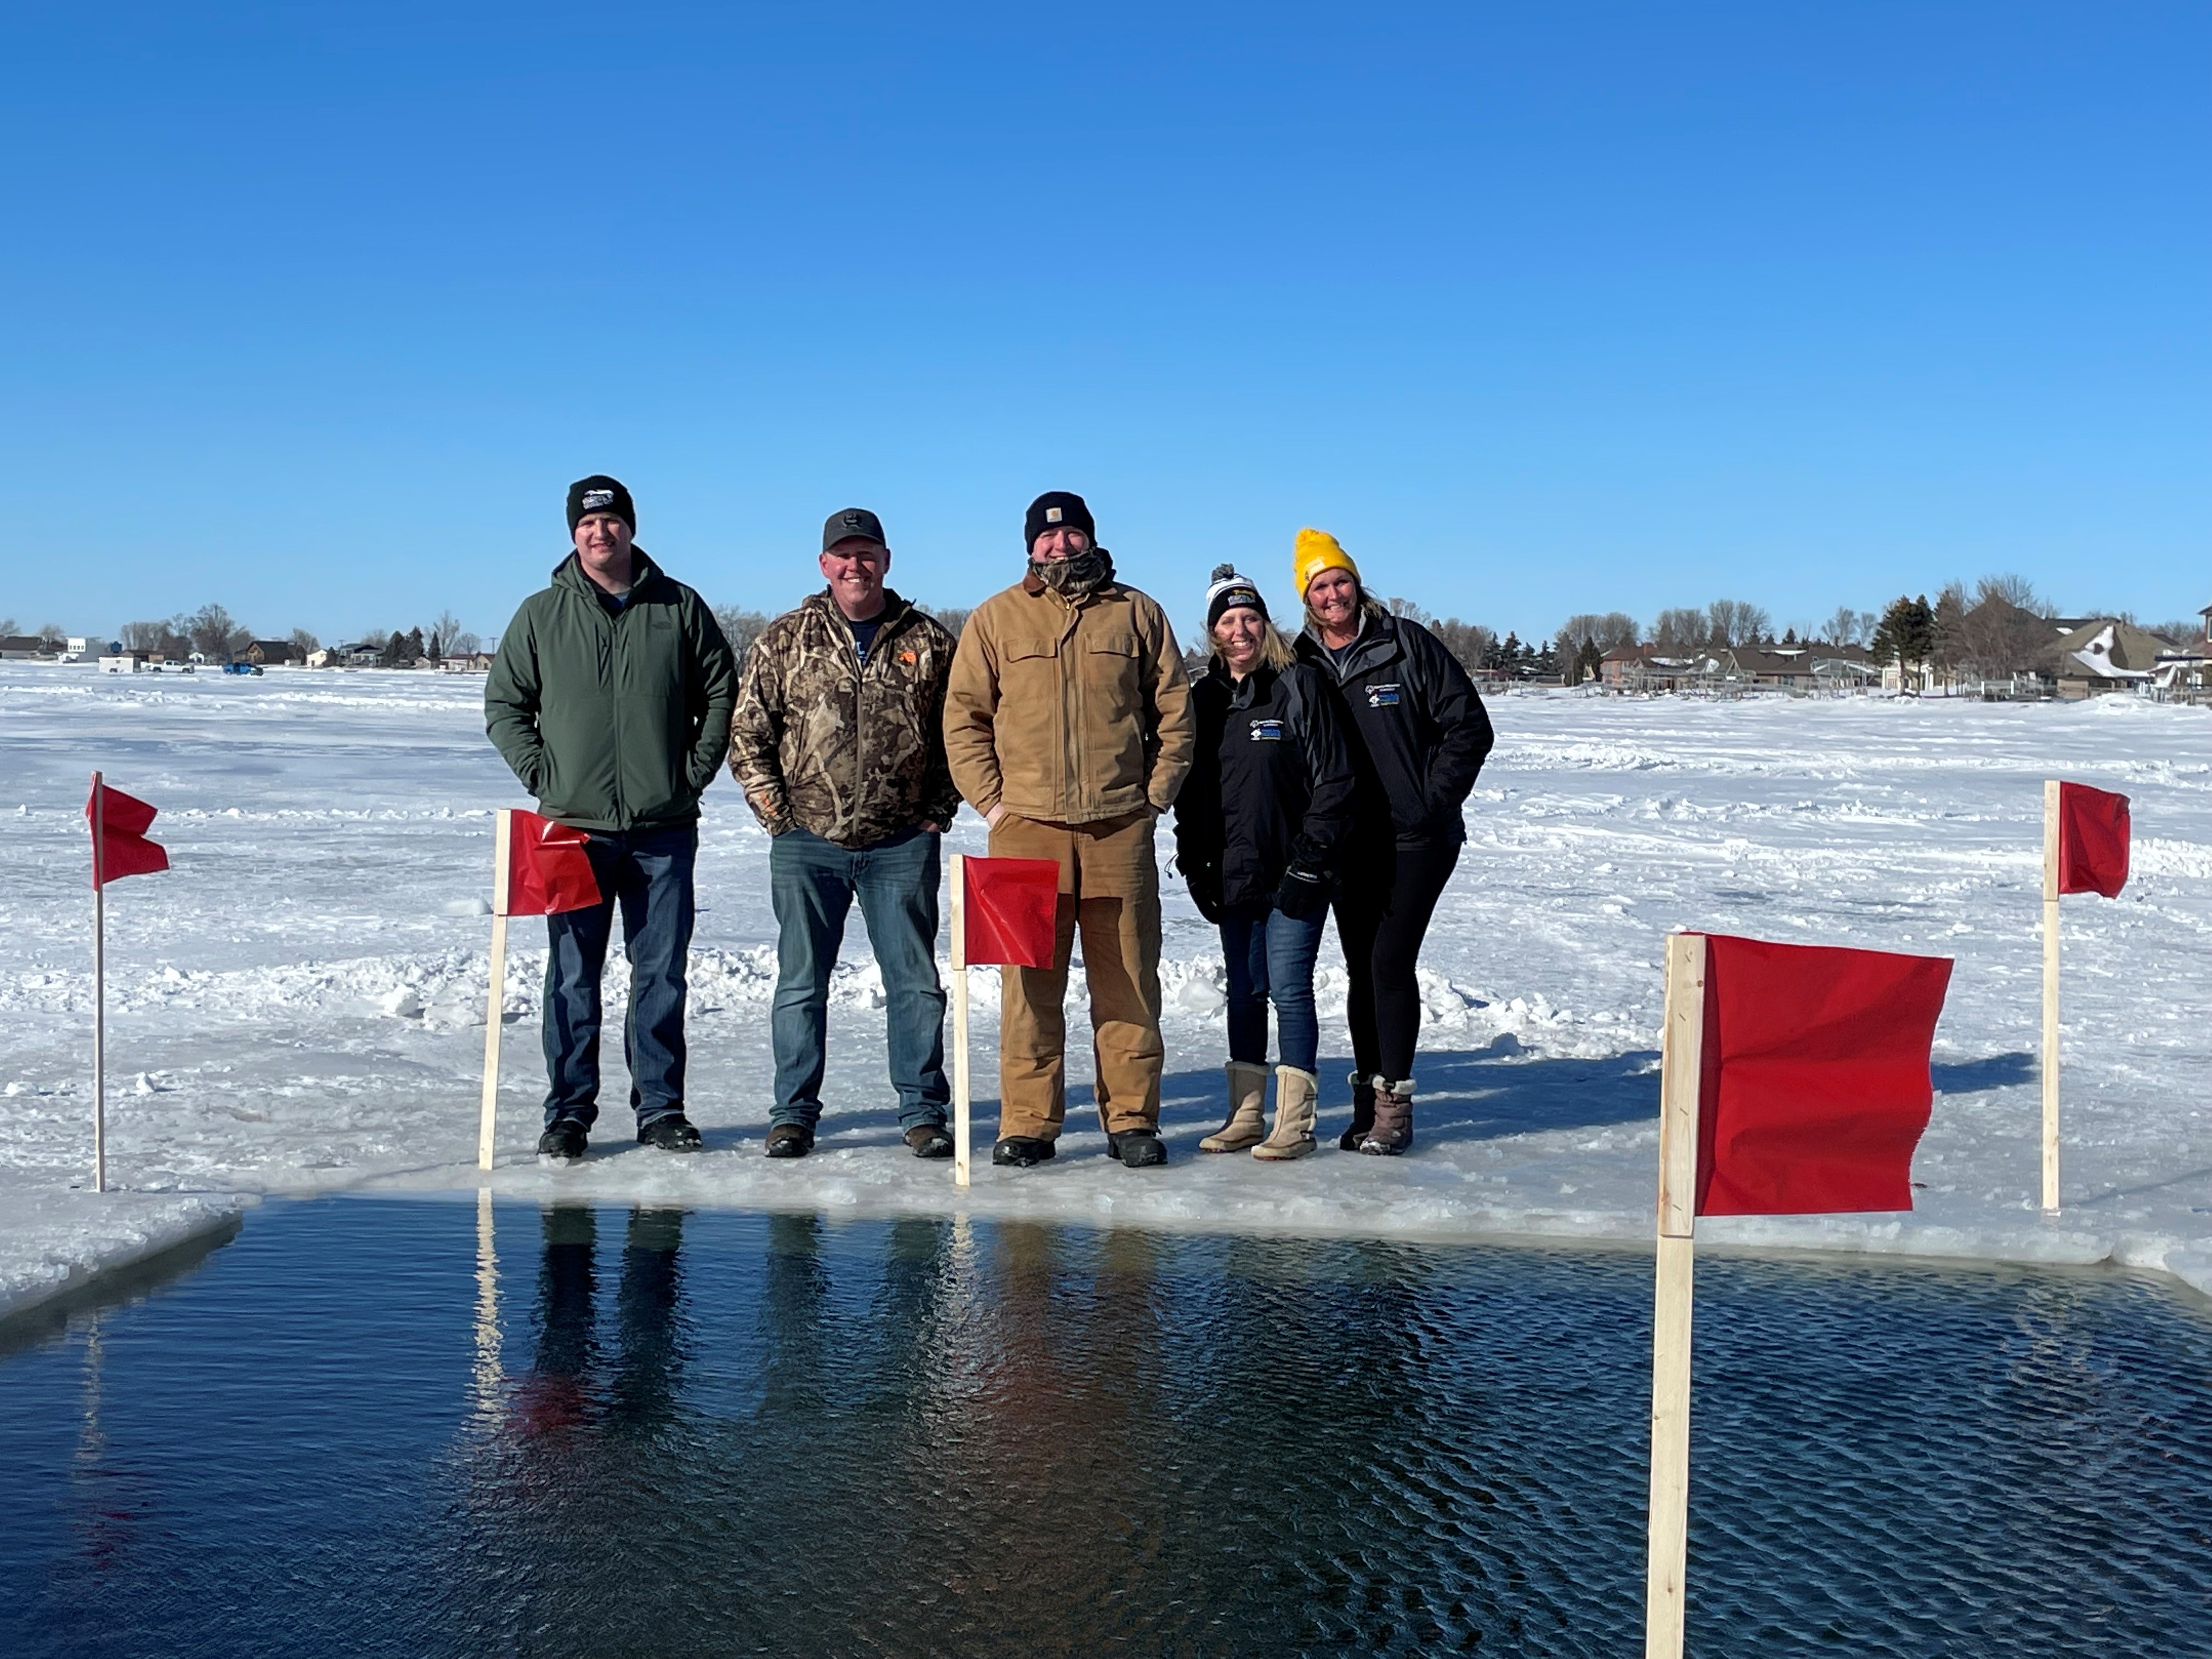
<point>672,1132</point>
<point>789,1140</point>
<point>1137,1149</point>
<point>1292,1136</point>
<point>1019,1152</point>
<point>563,1139</point>
<point>1248,1092</point>
<point>1363,1113</point>
<point>1393,1131</point>
<point>930,1140</point>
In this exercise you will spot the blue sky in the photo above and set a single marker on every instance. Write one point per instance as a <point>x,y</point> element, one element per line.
<point>315,310</point>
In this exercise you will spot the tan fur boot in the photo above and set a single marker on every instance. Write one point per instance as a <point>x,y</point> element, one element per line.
<point>1392,1132</point>
<point>1248,1123</point>
<point>1296,1092</point>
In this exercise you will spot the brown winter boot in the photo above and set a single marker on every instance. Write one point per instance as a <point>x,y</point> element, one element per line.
<point>1293,1133</point>
<point>1393,1131</point>
<point>1363,1113</point>
<point>1248,1123</point>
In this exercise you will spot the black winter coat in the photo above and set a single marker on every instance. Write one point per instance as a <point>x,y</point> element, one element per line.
<point>1419,729</point>
<point>1272,782</point>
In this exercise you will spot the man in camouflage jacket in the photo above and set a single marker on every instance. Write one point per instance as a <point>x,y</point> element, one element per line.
<point>838,740</point>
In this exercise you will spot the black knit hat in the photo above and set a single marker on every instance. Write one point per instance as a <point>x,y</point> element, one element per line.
<point>600,494</point>
<point>1054,510</point>
<point>1226,591</point>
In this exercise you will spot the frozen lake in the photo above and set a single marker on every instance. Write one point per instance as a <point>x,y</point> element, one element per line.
<point>413,1428</point>
<point>298,1004</point>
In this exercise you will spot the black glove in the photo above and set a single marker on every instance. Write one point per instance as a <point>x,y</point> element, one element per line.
<point>1303,890</point>
<point>1203,881</point>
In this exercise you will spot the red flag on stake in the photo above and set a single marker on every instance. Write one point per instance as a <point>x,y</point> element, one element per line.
<point>119,847</point>
<point>548,869</point>
<point>1815,1085</point>
<point>1792,1081</point>
<point>1011,908</point>
<point>2092,841</point>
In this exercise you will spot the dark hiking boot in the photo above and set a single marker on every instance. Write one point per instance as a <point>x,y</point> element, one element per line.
<point>563,1139</point>
<point>1393,1130</point>
<point>789,1140</point>
<point>930,1140</point>
<point>1137,1149</point>
<point>672,1132</point>
<point>1019,1152</point>
<point>1363,1113</point>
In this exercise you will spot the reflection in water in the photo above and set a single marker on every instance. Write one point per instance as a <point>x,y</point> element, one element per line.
<point>389,1429</point>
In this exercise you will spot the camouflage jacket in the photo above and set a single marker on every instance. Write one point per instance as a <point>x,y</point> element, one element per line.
<point>853,752</point>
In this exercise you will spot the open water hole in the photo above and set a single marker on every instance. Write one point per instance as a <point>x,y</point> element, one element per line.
<point>371,1427</point>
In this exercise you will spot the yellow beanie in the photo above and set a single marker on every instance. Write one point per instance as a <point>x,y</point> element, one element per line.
<point>1316,551</point>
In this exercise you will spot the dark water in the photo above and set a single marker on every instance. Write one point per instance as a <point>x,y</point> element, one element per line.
<point>650,1432</point>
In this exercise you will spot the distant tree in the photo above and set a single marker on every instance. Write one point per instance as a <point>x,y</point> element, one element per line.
<point>1509,654</point>
<point>466,644</point>
<point>49,634</point>
<point>1471,645</point>
<point>1613,628</point>
<point>442,634</point>
<point>2014,590</point>
<point>1589,663</point>
<point>7,626</point>
<point>1407,609</point>
<point>305,643</point>
<point>953,617</point>
<point>216,634</point>
<point>414,650</point>
<point>741,628</point>
<point>1947,647</point>
<point>1790,637</point>
<point>1842,628</point>
<point>392,653</point>
<point>1684,628</point>
<point>1736,622</point>
<point>1907,634</point>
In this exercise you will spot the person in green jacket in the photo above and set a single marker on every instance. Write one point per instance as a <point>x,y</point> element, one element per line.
<point>611,698</point>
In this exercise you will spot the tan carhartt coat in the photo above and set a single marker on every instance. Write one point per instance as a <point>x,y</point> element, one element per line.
<point>1069,713</point>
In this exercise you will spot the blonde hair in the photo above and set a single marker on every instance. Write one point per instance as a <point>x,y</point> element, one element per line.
<point>1275,650</point>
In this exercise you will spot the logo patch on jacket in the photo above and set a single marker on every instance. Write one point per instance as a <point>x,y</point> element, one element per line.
<point>1382,696</point>
<point>1266,732</point>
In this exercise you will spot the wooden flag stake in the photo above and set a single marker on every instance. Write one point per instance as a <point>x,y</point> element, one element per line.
<point>501,862</point>
<point>98,985</point>
<point>962,1132</point>
<point>1682,1069</point>
<point>2051,993</point>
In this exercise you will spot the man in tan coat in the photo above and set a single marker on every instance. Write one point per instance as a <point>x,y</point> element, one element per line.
<point>1068,726</point>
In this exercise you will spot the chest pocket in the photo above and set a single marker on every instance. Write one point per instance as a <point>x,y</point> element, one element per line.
<point>1111,681</point>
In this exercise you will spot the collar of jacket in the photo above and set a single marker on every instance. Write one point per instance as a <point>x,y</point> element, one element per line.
<point>569,573</point>
<point>1377,642</point>
<point>824,604</point>
<point>1243,693</point>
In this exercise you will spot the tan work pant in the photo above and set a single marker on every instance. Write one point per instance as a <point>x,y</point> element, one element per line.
<point>1109,886</point>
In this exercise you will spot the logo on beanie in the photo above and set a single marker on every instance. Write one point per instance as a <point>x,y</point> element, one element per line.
<point>1052,515</point>
<point>596,499</point>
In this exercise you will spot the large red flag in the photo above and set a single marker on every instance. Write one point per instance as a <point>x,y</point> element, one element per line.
<point>2092,841</point>
<point>121,847</point>
<point>1816,1086</point>
<point>548,871</point>
<point>1010,909</point>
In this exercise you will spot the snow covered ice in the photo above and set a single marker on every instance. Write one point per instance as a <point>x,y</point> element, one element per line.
<point>299,1003</point>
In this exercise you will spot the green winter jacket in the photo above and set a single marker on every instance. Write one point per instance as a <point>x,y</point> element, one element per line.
<point>613,720</point>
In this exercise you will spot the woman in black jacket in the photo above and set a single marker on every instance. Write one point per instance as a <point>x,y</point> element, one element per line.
<point>1258,826</point>
<point>1418,733</point>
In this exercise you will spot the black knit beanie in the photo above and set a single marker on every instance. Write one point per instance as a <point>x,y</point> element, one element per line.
<point>1227,590</point>
<point>600,494</point>
<point>1054,510</point>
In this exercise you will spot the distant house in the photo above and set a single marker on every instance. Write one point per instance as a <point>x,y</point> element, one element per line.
<point>272,653</point>
<point>476,662</point>
<point>1796,670</point>
<point>2105,655</point>
<point>24,647</point>
<point>364,656</point>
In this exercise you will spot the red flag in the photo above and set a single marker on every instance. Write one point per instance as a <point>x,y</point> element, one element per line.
<point>1816,1087</point>
<point>1011,907</point>
<point>2092,841</point>
<point>548,871</point>
<point>120,848</point>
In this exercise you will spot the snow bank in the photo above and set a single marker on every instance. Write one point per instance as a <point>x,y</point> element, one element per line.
<point>299,1005</point>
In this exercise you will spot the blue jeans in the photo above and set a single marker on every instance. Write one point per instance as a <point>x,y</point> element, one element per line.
<point>649,873</point>
<point>1271,958</point>
<point>812,882</point>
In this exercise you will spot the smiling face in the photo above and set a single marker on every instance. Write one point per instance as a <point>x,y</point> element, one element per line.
<point>854,569</point>
<point>1334,598</point>
<point>1060,542</point>
<point>603,544</point>
<point>1241,633</point>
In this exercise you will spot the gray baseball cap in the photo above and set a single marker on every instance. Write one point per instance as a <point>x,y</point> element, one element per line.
<point>850,522</point>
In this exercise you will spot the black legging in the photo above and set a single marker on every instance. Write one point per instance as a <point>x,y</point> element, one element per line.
<point>1381,928</point>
